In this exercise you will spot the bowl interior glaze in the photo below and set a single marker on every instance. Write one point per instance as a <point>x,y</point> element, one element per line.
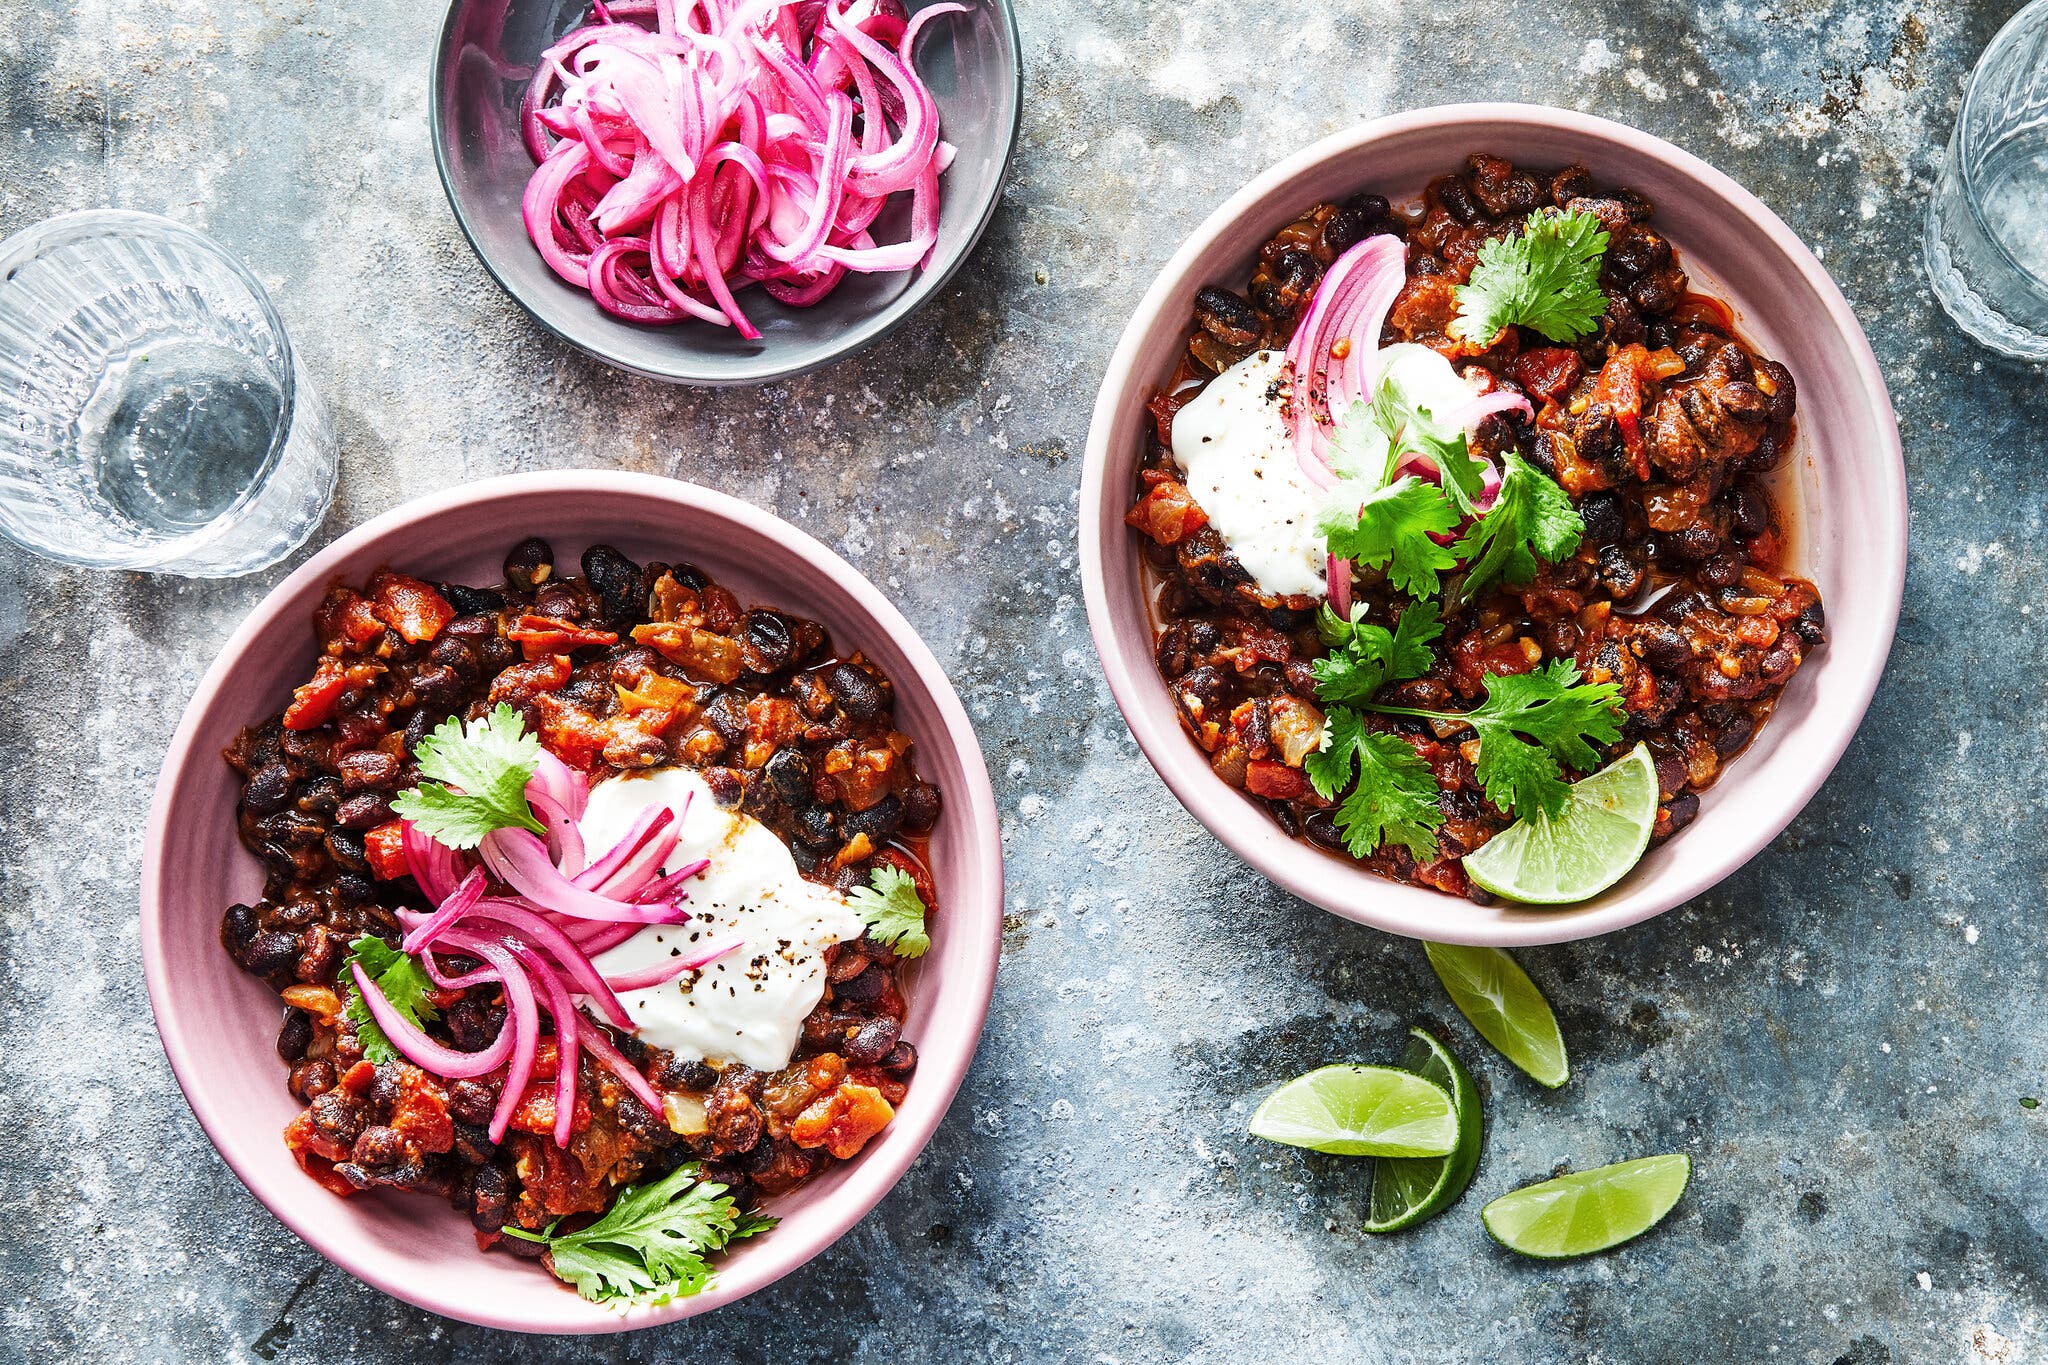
<point>1852,543</point>
<point>487,54</point>
<point>219,1025</point>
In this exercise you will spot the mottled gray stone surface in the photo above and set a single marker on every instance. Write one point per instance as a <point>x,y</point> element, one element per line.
<point>1840,1035</point>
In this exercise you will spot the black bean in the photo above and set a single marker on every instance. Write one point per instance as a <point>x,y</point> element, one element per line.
<point>296,1035</point>
<point>472,601</point>
<point>1695,542</point>
<point>1321,829</point>
<point>473,1143</point>
<point>530,564</point>
<point>1573,182</point>
<point>1732,736</point>
<point>268,789</point>
<point>339,1118</point>
<point>766,645</point>
<point>367,770</point>
<point>320,795</point>
<point>1287,618</point>
<point>681,1074</point>
<point>1751,507</point>
<point>471,1101</point>
<point>1346,229</point>
<point>453,651</point>
<point>727,714</point>
<point>345,846</point>
<point>320,953</point>
<point>1640,253</point>
<point>1605,523</point>
<point>875,1040</point>
<point>791,776</point>
<point>921,804</point>
<point>421,722</point>
<point>861,989</point>
<point>901,1061</point>
<point>1457,200</point>
<point>1684,807</point>
<point>727,785</point>
<point>879,821</point>
<point>1227,317</point>
<point>308,1081</point>
<point>1812,625</point>
<point>379,1146</point>
<point>1722,571</point>
<point>856,692</point>
<point>437,687</point>
<point>1621,572</point>
<point>1659,645</point>
<point>473,1023</point>
<point>270,953</point>
<point>1659,293</point>
<point>617,582</point>
<point>363,811</point>
<point>237,926</point>
<point>490,1205</point>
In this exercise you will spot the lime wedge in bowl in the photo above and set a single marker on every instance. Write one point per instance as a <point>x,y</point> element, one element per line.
<point>1574,856</point>
<point>1352,1110</point>
<point>1588,1211</point>
<point>1407,1190</point>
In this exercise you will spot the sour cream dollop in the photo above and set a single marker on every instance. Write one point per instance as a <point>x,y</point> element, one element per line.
<point>1237,452</point>
<point>749,1006</point>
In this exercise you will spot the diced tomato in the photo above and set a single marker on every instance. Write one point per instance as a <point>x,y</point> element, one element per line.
<point>312,1151</point>
<point>1549,372</point>
<point>384,848</point>
<point>1274,781</point>
<point>540,636</point>
<point>518,683</point>
<point>421,1114</point>
<point>535,1112</point>
<point>347,618</point>
<point>358,1078</point>
<point>843,1121</point>
<point>704,653</point>
<point>656,692</point>
<point>409,606</point>
<point>773,721</point>
<point>1167,512</point>
<point>875,1078</point>
<point>313,705</point>
<point>571,733</point>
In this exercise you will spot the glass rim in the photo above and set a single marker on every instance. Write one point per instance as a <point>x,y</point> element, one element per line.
<point>39,239</point>
<point>1960,153</point>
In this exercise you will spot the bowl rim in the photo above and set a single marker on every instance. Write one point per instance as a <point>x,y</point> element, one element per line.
<point>870,1180</point>
<point>1211,802</point>
<point>856,339</point>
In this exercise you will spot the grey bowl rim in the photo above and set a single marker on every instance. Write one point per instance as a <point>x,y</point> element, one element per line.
<point>857,338</point>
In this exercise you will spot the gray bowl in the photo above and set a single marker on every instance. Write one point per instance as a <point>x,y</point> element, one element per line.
<point>487,50</point>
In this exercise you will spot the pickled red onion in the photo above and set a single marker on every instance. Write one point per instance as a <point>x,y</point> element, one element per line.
<point>678,164</point>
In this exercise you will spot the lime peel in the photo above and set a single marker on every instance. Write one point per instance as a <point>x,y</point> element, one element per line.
<point>1588,1211</point>
<point>1574,856</point>
<point>1409,1190</point>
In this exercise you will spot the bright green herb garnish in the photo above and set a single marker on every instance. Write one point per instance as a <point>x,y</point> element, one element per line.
<point>1532,519</point>
<point>1395,795</point>
<point>1547,278</point>
<point>894,912</point>
<point>1364,657</point>
<point>652,1243</point>
<point>404,983</point>
<point>477,779</point>
<point>1390,529</point>
<point>1531,727</point>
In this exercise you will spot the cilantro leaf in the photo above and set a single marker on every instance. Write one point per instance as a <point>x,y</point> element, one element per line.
<point>1531,727</point>
<point>1546,278</point>
<point>1395,795</point>
<point>652,1243</point>
<point>893,910</point>
<point>404,983</point>
<point>1532,518</point>
<point>1391,530</point>
<point>478,775</point>
<point>1365,657</point>
<point>1411,428</point>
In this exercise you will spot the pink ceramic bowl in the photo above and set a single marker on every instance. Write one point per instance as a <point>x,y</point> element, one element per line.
<point>219,1026</point>
<point>1845,481</point>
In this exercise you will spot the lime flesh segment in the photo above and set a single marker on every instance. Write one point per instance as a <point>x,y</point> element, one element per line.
<point>1588,1211</point>
<point>1591,845</point>
<point>1351,1110</point>
<point>1491,989</point>
<point>1407,1190</point>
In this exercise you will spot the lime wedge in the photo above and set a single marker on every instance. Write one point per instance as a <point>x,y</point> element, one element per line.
<point>1588,1211</point>
<point>1601,834</point>
<point>1360,1111</point>
<point>1406,1190</point>
<point>1492,991</point>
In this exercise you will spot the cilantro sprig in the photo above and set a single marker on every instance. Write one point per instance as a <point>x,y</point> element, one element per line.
<point>1531,519</point>
<point>893,911</point>
<point>404,983</point>
<point>653,1244</point>
<point>477,775</point>
<point>1393,797</point>
<point>1531,728</point>
<point>1547,278</point>
<point>1364,657</point>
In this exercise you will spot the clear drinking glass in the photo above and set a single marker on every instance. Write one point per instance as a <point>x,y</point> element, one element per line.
<point>152,414</point>
<point>1987,228</point>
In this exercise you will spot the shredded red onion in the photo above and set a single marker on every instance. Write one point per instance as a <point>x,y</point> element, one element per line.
<point>452,909</point>
<point>1337,578</point>
<point>434,866</point>
<point>680,163</point>
<point>520,859</point>
<point>417,1046</point>
<point>1350,305</point>
<point>645,826</point>
<point>611,1059</point>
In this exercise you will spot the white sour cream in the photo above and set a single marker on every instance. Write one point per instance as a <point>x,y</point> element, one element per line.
<point>749,1006</point>
<point>1239,459</point>
<point>1234,446</point>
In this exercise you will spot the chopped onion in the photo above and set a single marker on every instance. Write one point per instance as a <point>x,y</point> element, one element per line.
<point>678,164</point>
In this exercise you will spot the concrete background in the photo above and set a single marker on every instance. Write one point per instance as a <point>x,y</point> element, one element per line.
<point>1840,1035</point>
